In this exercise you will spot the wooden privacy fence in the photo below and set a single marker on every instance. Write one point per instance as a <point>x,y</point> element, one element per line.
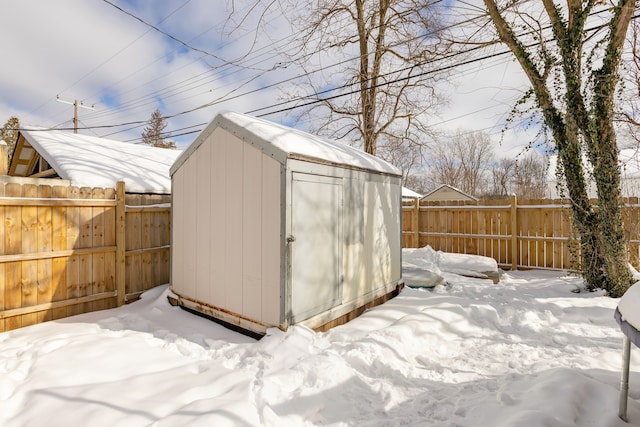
<point>66,250</point>
<point>517,234</point>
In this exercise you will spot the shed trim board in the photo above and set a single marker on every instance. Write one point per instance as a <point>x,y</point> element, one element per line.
<point>312,148</point>
<point>318,277</point>
<point>315,322</point>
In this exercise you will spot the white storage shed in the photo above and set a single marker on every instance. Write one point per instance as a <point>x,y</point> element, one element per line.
<point>272,226</point>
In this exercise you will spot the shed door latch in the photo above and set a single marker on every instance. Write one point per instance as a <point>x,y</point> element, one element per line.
<point>291,239</point>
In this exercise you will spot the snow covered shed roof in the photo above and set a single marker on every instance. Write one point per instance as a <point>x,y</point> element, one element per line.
<point>282,143</point>
<point>95,162</point>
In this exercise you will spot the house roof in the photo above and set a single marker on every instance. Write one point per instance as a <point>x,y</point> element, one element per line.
<point>449,188</point>
<point>95,162</point>
<point>282,143</point>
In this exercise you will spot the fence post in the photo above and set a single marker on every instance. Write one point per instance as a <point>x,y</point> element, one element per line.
<point>415,224</point>
<point>120,243</point>
<point>514,232</point>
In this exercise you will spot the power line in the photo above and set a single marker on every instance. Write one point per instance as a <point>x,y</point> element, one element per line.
<point>226,98</point>
<point>140,122</point>
<point>298,59</point>
<point>185,44</point>
<point>187,84</point>
<point>141,101</point>
<point>386,83</point>
<point>329,90</point>
<point>115,54</point>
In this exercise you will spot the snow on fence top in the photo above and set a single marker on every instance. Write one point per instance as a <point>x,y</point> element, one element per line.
<point>98,162</point>
<point>283,142</point>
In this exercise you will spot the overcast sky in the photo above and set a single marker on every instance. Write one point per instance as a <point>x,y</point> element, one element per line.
<point>90,51</point>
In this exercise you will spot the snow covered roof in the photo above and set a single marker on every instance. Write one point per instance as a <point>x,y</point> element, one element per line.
<point>283,142</point>
<point>98,162</point>
<point>410,193</point>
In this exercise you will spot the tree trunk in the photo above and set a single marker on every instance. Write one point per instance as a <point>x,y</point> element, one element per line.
<point>603,245</point>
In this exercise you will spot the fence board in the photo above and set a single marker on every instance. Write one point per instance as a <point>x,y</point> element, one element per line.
<point>161,263</point>
<point>98,284</point>
<point>29,244</point>
<point>85,240</point>
<point>146,230</point>
<point>13,245</point>
<point>110,240</point>
<point>73,242</point>
<point>44,244</point>
<point>540,237</point>
<point>58,249</point>
<point>133,261</point>
<point>59,243</point>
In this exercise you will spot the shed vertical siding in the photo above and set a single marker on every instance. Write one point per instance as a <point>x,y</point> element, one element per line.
<point>251,273</point>
<point>385,236</point>
<point>234,233</point>
<point>372,235</point>
<point>189,191</point>
<point>354,239</point>
<point>271,194</point>
<point>203,223</point>
<point>226,248</point>
<point>219,212</point>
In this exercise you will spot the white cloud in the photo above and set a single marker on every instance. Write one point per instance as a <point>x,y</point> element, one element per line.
<point>93,52</point>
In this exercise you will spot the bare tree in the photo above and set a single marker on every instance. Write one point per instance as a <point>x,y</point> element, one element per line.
<point>418,182</point>
<point>443,166</point>
<point>9,132</point>
<point>628,111</point>
<point>392,41</point>
<point>503,174</point>
<point>374,56</point>
<point>524,176</point>
<point>153,133</point>
<point>530,179</point>
<point>405,157</point>
<point>573,71</point>
<point>463,161</point>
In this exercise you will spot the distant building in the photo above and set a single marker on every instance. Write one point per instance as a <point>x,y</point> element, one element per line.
<point>448,193</point>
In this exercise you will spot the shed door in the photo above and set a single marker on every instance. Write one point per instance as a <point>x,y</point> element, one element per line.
<point>316,253</point>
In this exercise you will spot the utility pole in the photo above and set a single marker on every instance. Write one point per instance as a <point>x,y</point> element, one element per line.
<point>76,105</point>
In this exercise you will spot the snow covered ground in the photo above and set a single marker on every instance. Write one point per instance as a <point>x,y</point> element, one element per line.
<point>524,352</point>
